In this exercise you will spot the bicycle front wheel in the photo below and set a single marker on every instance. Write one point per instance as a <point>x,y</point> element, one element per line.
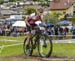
<point>45,46</point>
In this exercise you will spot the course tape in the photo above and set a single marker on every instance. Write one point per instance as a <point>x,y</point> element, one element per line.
<point>3,46</point>
<point>64,41</point>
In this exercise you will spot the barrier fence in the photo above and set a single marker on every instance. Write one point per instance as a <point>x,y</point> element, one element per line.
<point>61,37</point>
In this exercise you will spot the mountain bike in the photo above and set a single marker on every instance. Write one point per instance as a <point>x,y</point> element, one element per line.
<point>41,40</point>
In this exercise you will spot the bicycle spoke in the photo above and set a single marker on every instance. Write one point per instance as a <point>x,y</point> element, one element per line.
<point>45,46</point>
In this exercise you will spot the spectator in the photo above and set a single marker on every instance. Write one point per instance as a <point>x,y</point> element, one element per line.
<point>65,31</point>
<point>60,32</point>
<point>0,31</point>
<point>73,32</point>
<point>56,31</point>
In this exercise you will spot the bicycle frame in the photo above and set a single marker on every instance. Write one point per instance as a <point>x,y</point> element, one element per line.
<point>38,39</point>
<point>37,34</point>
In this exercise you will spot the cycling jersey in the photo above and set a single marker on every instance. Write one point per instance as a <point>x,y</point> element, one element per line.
<point>34,19</point>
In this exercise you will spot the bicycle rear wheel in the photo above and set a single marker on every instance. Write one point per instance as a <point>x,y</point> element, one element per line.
<point>45,46</point>
<point>28,51</point>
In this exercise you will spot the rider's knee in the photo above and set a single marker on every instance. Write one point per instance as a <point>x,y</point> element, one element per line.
<point>28,33</point>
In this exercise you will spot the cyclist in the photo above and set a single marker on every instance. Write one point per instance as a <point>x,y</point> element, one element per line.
<point>30,24</point>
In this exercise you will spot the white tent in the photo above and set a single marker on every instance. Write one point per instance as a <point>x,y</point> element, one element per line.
<point>16,17</point>
<point>19,24</point>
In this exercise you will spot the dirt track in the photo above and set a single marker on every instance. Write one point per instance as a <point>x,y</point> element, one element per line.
<point>35,58</point>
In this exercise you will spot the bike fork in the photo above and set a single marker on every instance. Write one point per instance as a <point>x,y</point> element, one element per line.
<point>44,41</point>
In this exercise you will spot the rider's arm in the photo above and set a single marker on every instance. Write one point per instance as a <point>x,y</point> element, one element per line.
<point>26,21</point>
<point>43,21</point>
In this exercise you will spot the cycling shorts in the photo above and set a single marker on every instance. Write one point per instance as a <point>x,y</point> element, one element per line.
<point>31,27</point>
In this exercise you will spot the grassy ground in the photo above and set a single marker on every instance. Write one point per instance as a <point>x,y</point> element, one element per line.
<point>11,50</point>
<point>12,38</point>
<point>64,50</point>
<point>59,50</point>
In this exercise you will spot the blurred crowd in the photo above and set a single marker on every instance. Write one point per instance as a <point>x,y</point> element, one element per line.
<point>61,32</point>
<point>58,31</point>
<point>8,30</point>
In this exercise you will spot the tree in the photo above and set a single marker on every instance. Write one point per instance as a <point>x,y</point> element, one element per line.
<point>35,0</point>
<point>15,0</point>
<point>1,1</point>
<point>52,18</point>
<point>44,2</point>
<point>30,10</point>
<point>12,0</point>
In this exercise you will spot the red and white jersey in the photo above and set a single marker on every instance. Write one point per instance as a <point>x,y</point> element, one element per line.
<point>33,19</point>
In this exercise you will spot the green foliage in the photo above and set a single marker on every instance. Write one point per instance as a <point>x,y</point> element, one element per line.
<point>44,3</point>
<point>34,0</point>
<point>12,0</point>
<point>52,18</point>
<point>30,10</point>
<point>1,1</point>
<point>15,0</point>
<point>47,17</point>
<point>73,20</point>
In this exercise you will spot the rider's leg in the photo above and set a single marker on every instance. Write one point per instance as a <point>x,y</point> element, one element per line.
<point>28,38</point>
<point>28,35</point>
